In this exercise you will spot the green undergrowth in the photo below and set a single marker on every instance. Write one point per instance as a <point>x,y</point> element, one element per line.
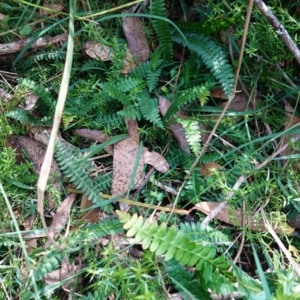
<point>171,252</point>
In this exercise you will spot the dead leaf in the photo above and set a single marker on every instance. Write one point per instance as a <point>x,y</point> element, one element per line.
<point>30,100</point>
<point>61,218</point>
<point>92,215</point>
<point>105,53</point>
<point>236,218</point>
<point>97,136</point>
<point>66,270</point>
<point>218,93</point>
<point>136,38</point>
<point>209,168</point>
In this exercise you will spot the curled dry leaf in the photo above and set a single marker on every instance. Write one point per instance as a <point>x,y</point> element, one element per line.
<point>209,168</point>
<point>4,95</point>
<point>236,217</point>
<point>105,53</point>
<point>61,218</point>
<point>136,38</point>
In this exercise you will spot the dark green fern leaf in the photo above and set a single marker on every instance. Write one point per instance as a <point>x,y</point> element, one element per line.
<point>131,112</point>
<point>212,55</point>
<point>149,108</point>
<point>184,281</point>
<point>70,162</point>
<point>162,28</point>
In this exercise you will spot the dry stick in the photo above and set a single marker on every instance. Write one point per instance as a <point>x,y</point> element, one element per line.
<point>226,106</point>
<point>46,166</point>
<point>242,179</point>
<point>280,30</point>
<point>42,42</point>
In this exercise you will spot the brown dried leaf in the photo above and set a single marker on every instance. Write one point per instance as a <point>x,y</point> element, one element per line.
<point>104,53</point>
<point>92,215</point>
<point>66,270</point>
<point>61,217</point>
<point>236,218</point>
<point>208,168</point>
<point>136,38</point>
<point>97,136</point>
<point>98,51</point>
<point>30,100</point>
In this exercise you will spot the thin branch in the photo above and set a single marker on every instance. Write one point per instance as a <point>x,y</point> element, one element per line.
<point>280,30</point>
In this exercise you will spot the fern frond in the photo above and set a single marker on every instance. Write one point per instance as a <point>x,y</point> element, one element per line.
<point>205,234</point>
<point>131,112</point>
<point>212,55</point>
<point>69,162</point>
<point>200,92</point>
<point>173,243</point>
<point>107,121</point>
<point>149,108</point>
<point>192,132</point>
<point>184,281</point>
<point>194,187</point>
<point>153,78</point>
<point>96,231</point>
<point>162,28</point>
<point>24,117</point>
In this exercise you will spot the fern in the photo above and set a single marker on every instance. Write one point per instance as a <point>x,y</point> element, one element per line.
<point>192,132</point>
<point>184,281</point>
<point>149,108</point>
<point>72,167</point>
<point>107,121</point>
<point>94,232</point>
<point>212,55</point>
<point>131,112</point>
<point>195,186</point>
<point>200,92</point>
<point>205,234</point>
<point>173,243</point>
<point>162,28</point>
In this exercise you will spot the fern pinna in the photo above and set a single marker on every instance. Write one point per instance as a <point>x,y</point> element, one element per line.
<point>173,243</point>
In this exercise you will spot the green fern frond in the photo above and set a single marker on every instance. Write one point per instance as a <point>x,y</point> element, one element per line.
<point>205,235</point>
<point>70,164</point>
<point>200,92</point>
<point>212,55</point>
<point>107,121</point>
<point>131,112</point>
<point>114,91</point>
<point>149,108</point>
<point>162,28</point>
<point>192,133</point>
<point>49,261</point>
<point>173,243</point>
<point>194,187</point>
<point>184,282</point>
<point>24,117</point>
<point>96,231</point>
<point>153,78</point>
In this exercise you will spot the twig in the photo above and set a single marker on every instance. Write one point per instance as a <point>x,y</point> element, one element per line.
<point>43,42</point>
<point>280,30</point>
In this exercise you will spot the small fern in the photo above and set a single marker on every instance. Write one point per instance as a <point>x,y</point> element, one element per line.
<point>173,243</point>
<point>70,162</point>
<point>162,28</point>
<point>212,55</point>
<point>192,132</point>
<point>184,281</point>
<point>200,92</point>
<point>149,108</point>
